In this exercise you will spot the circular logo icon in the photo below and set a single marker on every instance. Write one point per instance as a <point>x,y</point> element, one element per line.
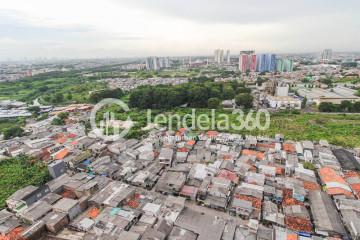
<point>110,129</point>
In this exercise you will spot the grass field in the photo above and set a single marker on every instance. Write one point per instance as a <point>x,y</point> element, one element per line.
<point>338,129</point>
<point>72,88</point>
<point>8,123</point>
<point>19,172</point>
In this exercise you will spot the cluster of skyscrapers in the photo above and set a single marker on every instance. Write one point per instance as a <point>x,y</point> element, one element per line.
<point>250,62</point>
<point>220,57</point>
<point>326,54</point>
<point>157,63</point>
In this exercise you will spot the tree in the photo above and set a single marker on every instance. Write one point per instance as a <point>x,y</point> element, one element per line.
<point>58,98</point>
<point>12,132</point>
<point>63,115</point>
<point>244,99</point>
<point>35,110</point>
<point>215,92</point>
<point>303,102</point>
<point>327,107</point>
<point>213,103</point>
<point>69,96</point>
<point>57,121</point>
<point>346,106</point>
<point>228,92</point>
<point>356,107</point>
<point>243,90</point>
<point>198,96</point>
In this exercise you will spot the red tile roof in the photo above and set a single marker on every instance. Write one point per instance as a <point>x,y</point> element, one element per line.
<point>62,154</point>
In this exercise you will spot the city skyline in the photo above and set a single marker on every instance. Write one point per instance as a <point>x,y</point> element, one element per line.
<point>94,29</point>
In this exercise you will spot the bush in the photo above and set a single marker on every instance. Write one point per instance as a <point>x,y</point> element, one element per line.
<point>213,103</point>
<point>244,99</point>
<point>12,132</point>
<point>58,121</point>
<point>20,172</point>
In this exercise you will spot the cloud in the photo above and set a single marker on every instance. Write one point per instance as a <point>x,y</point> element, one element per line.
<point>126,28</point>
<point>245,11</point>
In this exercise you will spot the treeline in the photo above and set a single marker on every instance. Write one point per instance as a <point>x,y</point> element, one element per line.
<point>345,106</point>
<point>97,96</point>
<point>200,93</point>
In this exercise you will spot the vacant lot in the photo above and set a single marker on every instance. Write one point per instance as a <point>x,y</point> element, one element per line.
<point>19,172</point>
<point>339,129</point>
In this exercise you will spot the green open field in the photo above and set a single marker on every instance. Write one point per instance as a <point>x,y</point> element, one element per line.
<point>338,129</point>
<point>72,89</point>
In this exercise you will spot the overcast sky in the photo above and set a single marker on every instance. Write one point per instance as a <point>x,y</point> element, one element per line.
<point>136,28</point>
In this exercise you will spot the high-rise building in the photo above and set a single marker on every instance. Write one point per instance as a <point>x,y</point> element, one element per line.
<point>266,62</point>
<point>247,61</point>
<point>326,54</point>
<point>227,56</point>
<point>219,55</point>
<point>156,63</point>
<point>284,65</point>
<point>152,63</point>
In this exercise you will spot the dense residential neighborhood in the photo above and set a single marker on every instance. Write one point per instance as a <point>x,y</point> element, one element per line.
<point>181,185</point>
<point>297,178</point>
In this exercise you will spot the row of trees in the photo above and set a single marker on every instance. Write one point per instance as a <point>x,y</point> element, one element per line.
<point>199,94</point>
<point>345,106</point>
<point>97,96</point>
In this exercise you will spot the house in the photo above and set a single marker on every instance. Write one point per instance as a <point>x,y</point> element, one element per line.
<point>241,208</point>
<point>271,214</point>
<point>206,226</point>
<point>35,212</point>
<point>113,195</point>
<point>171,182</point>
<point>335,184</point>
<point>166,156</point>
<point>215,192</point>
<point>68,206</point>
<point>57,168</point>
<point>350,216</point>
<point>178,233</point>
<point>25,197</point>
<point>326,218</point>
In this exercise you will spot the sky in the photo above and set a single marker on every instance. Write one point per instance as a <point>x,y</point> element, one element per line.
<point>138,28</point>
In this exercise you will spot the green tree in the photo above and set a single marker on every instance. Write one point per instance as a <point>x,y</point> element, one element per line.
<point>97,96</point>
<point>327,107</point>
<point>243,90</point>
<point>346,106</point>
<point>35,110</point>
<point>12,132</point>
<point>198,96</point>
<point>356,107</point>
<point>213,103</point>
<point>244,99</point>
<point>58,121</point>
<point>69,96</point>
<point>58,98</point>
<point>63,115</point>
<point>228,92</point>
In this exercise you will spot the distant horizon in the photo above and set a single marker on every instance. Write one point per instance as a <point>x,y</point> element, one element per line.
<point>126,28</point>
<point>170,56</point>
